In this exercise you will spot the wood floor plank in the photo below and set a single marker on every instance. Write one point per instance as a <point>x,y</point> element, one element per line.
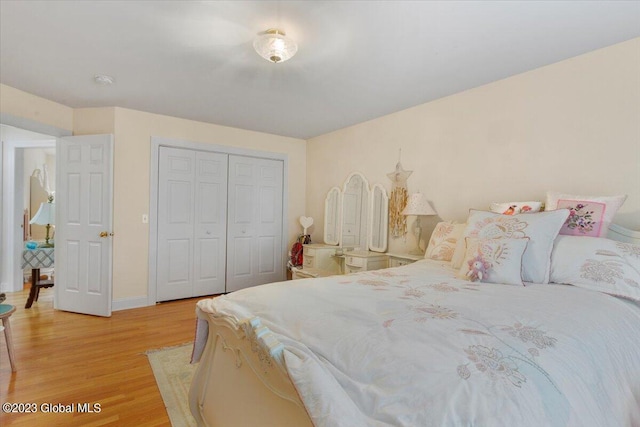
<point>68,358</point>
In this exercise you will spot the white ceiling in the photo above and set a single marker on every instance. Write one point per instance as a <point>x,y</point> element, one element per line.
<point>357,60</point>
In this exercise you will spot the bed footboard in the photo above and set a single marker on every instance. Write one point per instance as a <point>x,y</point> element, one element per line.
<point>241,379</point>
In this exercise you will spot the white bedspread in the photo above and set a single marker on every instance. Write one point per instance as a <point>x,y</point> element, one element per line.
<point>414,346</point>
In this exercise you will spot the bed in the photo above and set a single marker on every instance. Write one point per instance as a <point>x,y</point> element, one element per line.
<point>424,345</point>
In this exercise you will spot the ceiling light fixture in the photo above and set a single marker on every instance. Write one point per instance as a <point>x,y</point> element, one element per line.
<point>103,79</point>
<point>273,45</point>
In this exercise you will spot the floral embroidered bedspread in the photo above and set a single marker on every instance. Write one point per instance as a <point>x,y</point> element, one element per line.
<point>415,346</point>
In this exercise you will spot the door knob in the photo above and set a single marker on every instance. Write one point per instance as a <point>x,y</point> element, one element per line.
<point>105,234</point>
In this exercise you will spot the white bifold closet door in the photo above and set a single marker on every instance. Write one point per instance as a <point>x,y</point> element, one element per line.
<point>254,234</point>
<point>219,223</point>
<point>192,218</point>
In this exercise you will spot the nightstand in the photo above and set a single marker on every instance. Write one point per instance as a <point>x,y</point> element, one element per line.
<point>398,260</point>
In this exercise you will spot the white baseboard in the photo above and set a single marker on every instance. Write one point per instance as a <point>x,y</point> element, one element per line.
<point>131,302</point>
<point>6,287</point>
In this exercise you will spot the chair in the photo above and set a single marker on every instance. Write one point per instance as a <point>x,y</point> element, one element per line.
<point>6,310</point>
<point>36,284</point>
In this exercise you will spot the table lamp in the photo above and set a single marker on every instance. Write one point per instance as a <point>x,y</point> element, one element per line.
<point>418,205</point>
<point>46,215</point>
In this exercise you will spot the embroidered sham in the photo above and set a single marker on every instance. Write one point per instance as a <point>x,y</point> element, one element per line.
<point>597,264</point>
<point>494,260</point>
<point>589,215</point>
<point>541,228</point>
<point>513,208</point>
<point>443,241</point>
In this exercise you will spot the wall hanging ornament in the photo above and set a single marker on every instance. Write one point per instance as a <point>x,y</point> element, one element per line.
<point>398,200</point>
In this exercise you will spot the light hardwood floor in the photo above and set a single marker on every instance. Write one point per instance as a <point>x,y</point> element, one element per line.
<point>67,358</point>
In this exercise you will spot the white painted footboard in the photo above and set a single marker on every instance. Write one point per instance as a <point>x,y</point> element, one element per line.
<point>241,380</point>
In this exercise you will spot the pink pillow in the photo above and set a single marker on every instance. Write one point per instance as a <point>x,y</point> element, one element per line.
<point>589,215</point>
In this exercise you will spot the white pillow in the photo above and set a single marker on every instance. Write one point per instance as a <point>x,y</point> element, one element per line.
<point>443,241</point>
<point>589,215</point>
<point>494,260</point>
<point>512,208</point>
<point>598,264</point>
<point>541,228</point>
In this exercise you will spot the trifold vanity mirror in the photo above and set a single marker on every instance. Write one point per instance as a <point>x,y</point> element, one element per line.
<point>332,217</point>
<point>357,216</point>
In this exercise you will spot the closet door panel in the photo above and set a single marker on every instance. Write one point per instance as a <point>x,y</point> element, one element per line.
<point>175,224</point>
<point>178,268</point>
<point>266,260</point>
<point>242,258</point>
<point>210,223</point>
<point>270,259</point>
<point>254,222</point>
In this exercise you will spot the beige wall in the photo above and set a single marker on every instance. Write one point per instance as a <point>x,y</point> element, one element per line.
<point>132,153</point>
<point>94,121</point>
<point>23,104</point>
<point>572,126</point>
<point>132,132</point>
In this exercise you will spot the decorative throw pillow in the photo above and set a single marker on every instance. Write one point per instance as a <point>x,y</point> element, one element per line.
<point>598,264</point>
<point>512,208</point>
<point>443,241</point>
<point>541,228</point>
<point>494,260</point>
<point>589,215</point>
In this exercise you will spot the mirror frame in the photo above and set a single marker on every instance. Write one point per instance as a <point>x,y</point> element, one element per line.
<point>337,215</point>
<point>364,240</point>
<point>378,189</point>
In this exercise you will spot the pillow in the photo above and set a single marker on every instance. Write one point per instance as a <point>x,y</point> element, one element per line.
<point>443,241</point>
<point>598,264</point>
<point>494,260</point>
<point>541,228</point>
<point>590,215</point>
<point>512,208</point>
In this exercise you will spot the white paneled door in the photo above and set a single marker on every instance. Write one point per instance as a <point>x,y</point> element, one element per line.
<point>254,235</point>
<point>192,197</point>
<point>83,238</point>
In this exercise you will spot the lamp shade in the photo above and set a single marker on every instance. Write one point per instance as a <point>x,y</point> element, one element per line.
<point>275,46</point>
<point>418,205</point>
<point>45,215</point>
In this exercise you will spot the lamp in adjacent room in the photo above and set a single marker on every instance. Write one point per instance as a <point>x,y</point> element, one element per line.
<point>274,46</point>
<point>46,216</point>
<point>418,205</point>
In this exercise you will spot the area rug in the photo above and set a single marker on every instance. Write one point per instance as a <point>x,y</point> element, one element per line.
<point>173,374</point>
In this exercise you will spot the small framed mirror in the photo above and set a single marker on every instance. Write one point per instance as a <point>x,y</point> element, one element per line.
<point>378,219</point>
<point>332,217</point>
<point>355,212</point>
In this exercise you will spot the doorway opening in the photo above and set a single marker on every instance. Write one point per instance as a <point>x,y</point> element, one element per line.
<point>25,155</point>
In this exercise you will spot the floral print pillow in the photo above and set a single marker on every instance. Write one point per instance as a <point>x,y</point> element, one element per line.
<point>443,241</point>
<point>494,260</point>
<point>541,228</point>
<point>591,215</point>
<point>598,264</point>
<point>585,218</point>
<point>512,208</point>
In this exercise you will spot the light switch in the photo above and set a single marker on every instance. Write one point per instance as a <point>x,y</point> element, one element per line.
<point>145,218</point>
